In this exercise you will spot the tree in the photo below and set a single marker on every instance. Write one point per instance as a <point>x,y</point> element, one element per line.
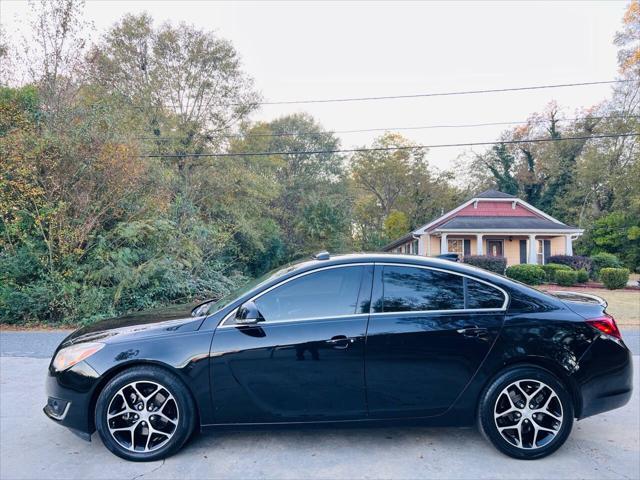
<point>188,83</point>
<point>383,171</point>
<point>304,194</point>
<point>628,40</point>
<point>52,54</point>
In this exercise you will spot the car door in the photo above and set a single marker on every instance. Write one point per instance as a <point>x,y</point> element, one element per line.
<point>429,331</point>
<point>305,361</point>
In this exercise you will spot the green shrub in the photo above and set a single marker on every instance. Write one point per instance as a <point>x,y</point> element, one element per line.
<point>604,260</point>
<point>529,274</point>
<point>493,264</point>
<point>566,278</point>
<point>550,270</point>
<point>614,278</point>
<point>583,275</point>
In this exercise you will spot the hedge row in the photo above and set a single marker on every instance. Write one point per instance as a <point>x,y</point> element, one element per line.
<point>493,264</point>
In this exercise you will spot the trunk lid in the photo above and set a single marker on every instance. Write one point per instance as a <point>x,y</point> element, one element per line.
<point>584,304</point>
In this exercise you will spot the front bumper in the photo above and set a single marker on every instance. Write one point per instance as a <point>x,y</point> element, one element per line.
<point>604,377</point>
<point>69,400</point>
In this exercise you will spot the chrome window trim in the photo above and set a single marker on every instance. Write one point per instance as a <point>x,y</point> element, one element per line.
<point>222,324</point>
<point>460,274</point>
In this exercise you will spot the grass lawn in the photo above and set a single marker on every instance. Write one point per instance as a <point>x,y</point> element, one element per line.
<point>624,305</point>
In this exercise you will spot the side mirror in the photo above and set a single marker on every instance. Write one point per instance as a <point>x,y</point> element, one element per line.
<point>248,314</point>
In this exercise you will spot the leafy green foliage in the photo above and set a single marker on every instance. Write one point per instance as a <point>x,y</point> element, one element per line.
<point>529,274</point>
<point>396,225</point>
<point>614,278</point>
<point>583,275</point>
<point>566,278</point>
<point>615,234</point>
<point>604,260</point>
<point>550,269</point>
<point>493,264</point>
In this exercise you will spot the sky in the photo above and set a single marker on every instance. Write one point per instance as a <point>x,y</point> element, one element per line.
<point>316,50</point>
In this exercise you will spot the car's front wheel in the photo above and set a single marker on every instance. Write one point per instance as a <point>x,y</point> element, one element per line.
<point>144,414</point>
<point>526,412</point>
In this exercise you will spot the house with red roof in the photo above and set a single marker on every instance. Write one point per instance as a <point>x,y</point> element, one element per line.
<point>492,223</point>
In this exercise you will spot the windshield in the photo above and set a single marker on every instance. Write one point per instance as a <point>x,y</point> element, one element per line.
<point>253,284</point>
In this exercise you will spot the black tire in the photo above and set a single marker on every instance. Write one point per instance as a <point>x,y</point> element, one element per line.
<point>184,420</point>
<point>524,436</point>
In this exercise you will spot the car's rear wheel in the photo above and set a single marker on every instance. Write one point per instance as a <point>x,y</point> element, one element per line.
<point>526,412</point>
<point>144,414</point>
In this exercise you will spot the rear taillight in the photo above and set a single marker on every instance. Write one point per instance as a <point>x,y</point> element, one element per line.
<point>607,325</point>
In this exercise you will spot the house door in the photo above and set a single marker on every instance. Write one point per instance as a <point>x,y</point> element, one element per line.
<point>494,248</point>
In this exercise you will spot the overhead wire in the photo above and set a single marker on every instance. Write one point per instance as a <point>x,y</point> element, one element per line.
<point>394,148</point>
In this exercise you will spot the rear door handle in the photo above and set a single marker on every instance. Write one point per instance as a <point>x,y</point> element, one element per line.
<point>340,342</point>
<point>473,331</point>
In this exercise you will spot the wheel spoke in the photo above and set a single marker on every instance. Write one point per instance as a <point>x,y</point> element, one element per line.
<point>538,390</point>
<point>161,414</point>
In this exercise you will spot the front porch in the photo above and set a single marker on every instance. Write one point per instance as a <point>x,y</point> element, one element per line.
<point>516,247</point>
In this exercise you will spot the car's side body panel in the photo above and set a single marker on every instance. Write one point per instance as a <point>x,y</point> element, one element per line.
<point>289,371</point>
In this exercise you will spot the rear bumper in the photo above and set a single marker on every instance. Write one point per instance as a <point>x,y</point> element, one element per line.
<point>604,377</point>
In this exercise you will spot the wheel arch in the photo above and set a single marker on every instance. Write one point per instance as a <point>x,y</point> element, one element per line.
<point>545,364</point>
<point>107,376</point>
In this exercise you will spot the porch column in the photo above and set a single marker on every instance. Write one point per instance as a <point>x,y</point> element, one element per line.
<point>479,243</point>
<point>421,245</point>
<point>444,247</point>
<point>568,249</point>
<point>533,250</point>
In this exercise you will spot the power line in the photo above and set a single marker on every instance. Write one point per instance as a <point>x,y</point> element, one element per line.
<point>435,94</point>
<point>364,130</point>
<point>381,149</point>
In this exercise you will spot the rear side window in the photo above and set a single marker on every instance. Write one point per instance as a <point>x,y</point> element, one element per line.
<point>408,289</point>
<point>481,295</point>
<point>322,294</point>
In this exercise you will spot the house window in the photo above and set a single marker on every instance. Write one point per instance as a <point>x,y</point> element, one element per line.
<point>414,244</point>
<point>455,245</point>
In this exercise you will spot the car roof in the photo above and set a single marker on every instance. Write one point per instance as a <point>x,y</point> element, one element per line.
<point>378,257</point>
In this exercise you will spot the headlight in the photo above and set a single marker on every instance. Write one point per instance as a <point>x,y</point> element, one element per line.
<point>69,356</point>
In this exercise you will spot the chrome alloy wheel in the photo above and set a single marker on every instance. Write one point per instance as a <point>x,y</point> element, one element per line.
<point>142,416</point>
<point>528,414</point>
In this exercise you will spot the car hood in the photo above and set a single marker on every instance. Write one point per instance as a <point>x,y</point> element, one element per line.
<point>138,325</point>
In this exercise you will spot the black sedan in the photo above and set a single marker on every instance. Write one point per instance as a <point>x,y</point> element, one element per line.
<point>359,339</point>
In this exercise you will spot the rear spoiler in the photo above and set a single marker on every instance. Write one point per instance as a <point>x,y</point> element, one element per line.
<point>579,297</point>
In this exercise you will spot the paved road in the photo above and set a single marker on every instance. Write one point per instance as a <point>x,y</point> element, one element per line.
<point>602,447</point>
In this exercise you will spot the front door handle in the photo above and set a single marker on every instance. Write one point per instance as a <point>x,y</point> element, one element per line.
<point>473,332</point>
<point>340,342</point>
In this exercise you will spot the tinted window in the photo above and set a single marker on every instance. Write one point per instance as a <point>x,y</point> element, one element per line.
<point>322,294</point>
<point>408,289</point>
<point>481,295</point>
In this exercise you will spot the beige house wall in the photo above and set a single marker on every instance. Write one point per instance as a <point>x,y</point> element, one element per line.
<point>558,245</point>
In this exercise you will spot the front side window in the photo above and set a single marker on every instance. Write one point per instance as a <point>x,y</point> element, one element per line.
<point>407,289</point>
<point>322,294</point>
<point>481,295</point>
